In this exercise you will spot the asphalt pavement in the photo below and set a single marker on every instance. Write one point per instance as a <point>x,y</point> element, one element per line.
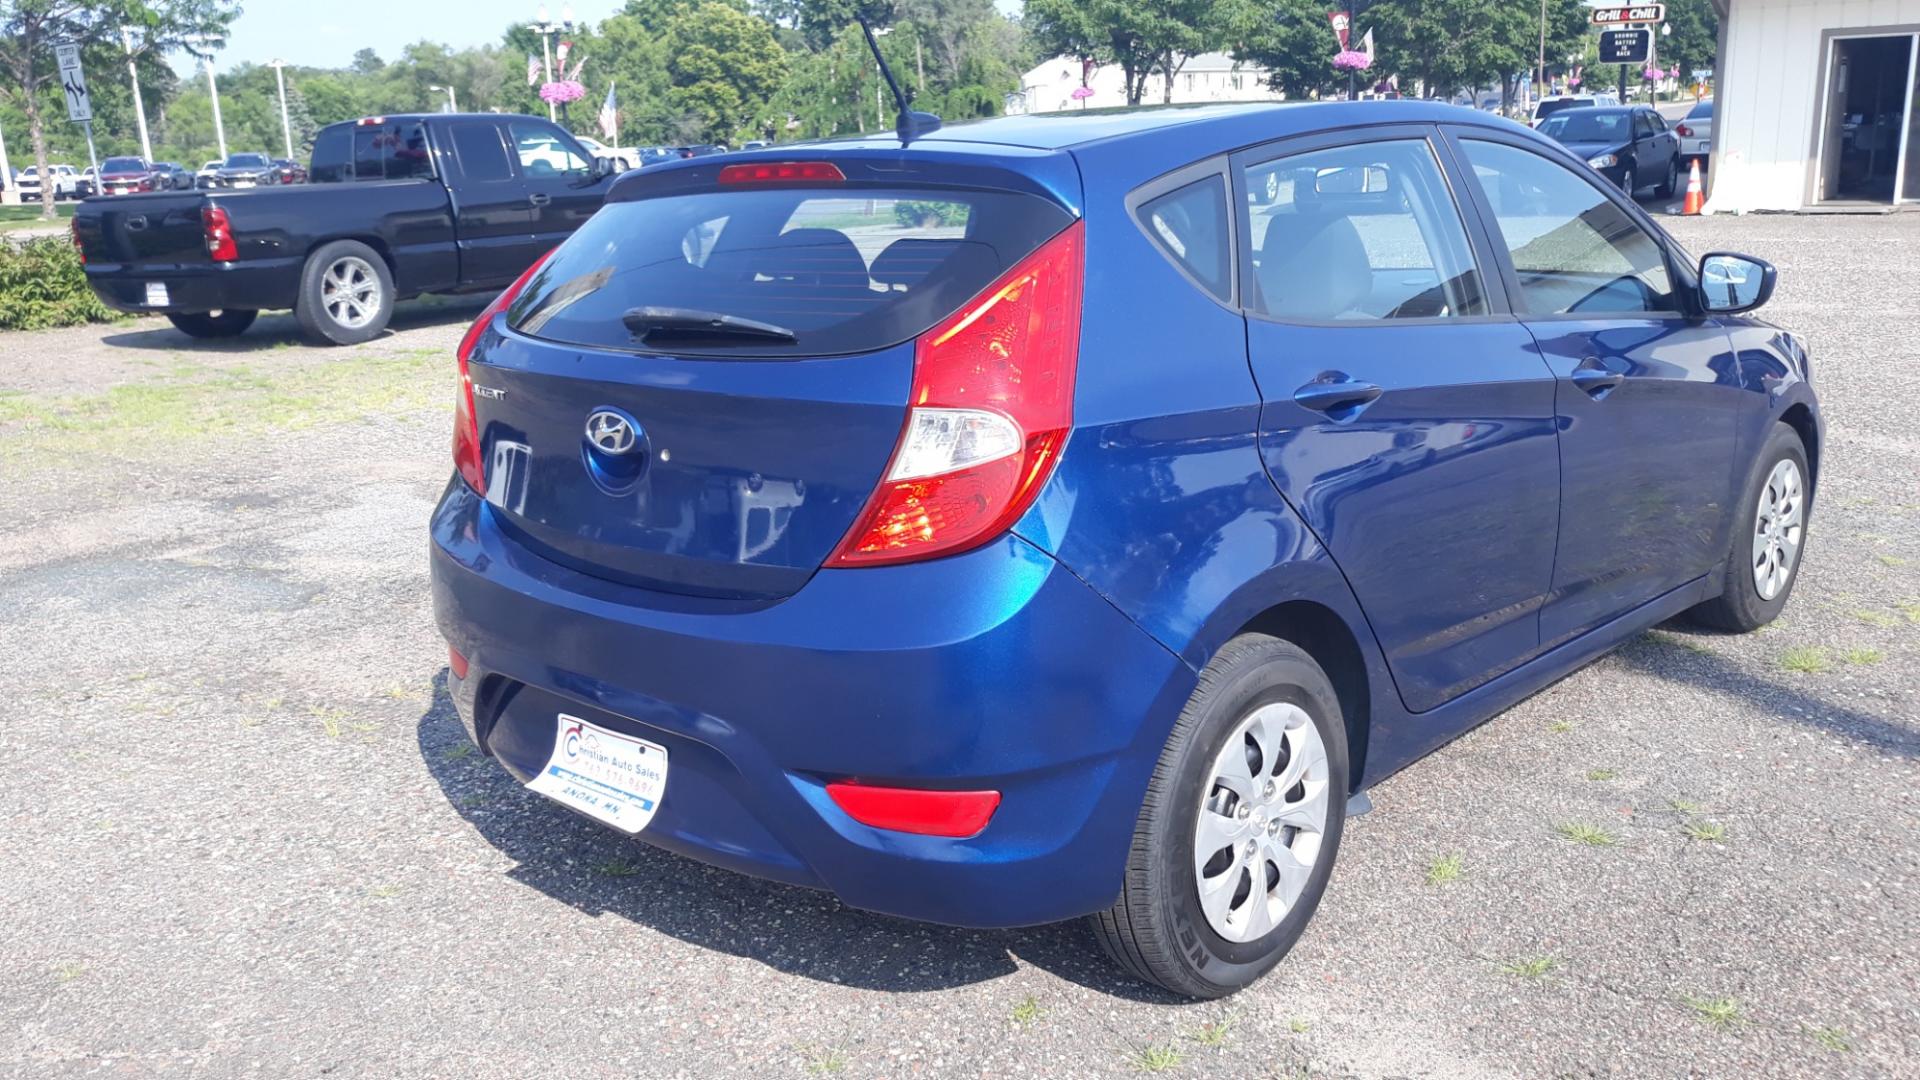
<point>241,833</point>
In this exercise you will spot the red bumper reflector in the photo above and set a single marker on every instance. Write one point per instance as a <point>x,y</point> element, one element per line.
<point>913,810</point>
<point>456,663</point>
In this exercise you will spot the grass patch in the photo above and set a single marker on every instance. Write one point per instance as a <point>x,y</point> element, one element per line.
<point>1684,806</point>
<point>1529,967</point>
<point>1445,869</point>
<point>1601,774</point>
<point>1560,727</point>
<point>1722,1012</point>
<point>1299,1025</point>
<point>1213,1035</point>
<point>1028,1012</point>
<point>619,866</point>
<point>189,404</point>
<point>1865,656</point>
<point>28,213</point>
<point>820,1060</point>
<point>1711,831</point>
<point>384,892</point>
<point>1805,659</point>
<point>1156,1058</point>
<point>1911,610</point>
<point>1831,1038</point>
<point>1891,560</point>
<point>1582,833</point>
<point>1865,615</point>
<point>70,971</point>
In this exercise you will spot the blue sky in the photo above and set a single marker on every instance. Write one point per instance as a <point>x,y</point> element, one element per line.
<point>327,35</point>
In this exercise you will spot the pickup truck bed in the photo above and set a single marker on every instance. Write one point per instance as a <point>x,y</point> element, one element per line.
<point>400,206</point>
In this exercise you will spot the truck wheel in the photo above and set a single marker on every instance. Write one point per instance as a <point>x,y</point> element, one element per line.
<point>346,294</point>
<point>213,324</point>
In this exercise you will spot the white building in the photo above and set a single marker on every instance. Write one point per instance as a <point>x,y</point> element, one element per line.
<point>1816,105</point>
<point>1205,77</point>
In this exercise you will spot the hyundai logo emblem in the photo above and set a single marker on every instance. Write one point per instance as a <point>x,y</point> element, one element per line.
<point>612,432</point>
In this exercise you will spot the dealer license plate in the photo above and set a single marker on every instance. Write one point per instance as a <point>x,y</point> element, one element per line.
<point>615,778</point>
<point>156,294</point>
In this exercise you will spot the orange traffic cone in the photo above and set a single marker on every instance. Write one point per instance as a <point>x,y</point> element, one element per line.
<point>1694,195</point>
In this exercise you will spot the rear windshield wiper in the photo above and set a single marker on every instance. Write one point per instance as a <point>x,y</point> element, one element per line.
<point>678,320</point>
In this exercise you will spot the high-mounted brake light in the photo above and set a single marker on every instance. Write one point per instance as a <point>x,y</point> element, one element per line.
<point>780,172</point>
<point>991,404</point>
<point>916,810</point>
<point>219,234</point>
<point>466,421</point>
<point>371,121</point>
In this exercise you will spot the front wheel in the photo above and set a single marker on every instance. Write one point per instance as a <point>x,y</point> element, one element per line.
<point>346,294</point>
<point>1629,177</point>
<point>213,324</point>
<point>1672,182</point>
<point>1239,828</point>
<point>1769,538</point>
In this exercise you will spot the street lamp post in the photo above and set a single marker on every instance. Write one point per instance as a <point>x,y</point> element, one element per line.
<point>544,25</point>
<point>139,108</point>
<point>210,44</point>
<point>286,126</point>
<point>452,106</point>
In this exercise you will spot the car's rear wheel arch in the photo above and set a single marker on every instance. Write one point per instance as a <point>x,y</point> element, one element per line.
<point>1322,634</point>
<point>378,245</point>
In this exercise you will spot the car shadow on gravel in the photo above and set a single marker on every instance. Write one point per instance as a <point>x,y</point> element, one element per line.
<point>597,872</point>
<point>281,330</point>
<point>1680,652</point>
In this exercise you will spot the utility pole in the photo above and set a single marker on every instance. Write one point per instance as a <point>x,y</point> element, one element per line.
<point>286,126</point>
<point>1538,87</point>
<point>139,107</point>
<point>213,89</point>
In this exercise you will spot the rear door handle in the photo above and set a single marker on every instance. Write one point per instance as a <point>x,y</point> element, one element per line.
<point>1335,396</point>
<point>1593,377</point>
<point>539,198</point>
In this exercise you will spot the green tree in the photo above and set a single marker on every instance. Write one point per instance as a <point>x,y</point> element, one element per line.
<point>1291,41</point>
<point>723,67</point>
<point>1139,35</point>
<point>30,28</point>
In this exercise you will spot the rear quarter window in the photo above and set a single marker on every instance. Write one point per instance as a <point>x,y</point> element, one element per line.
<point>845,270</point>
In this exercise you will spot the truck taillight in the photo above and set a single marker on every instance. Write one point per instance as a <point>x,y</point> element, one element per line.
<point>73,234</point>
<point>219,234</point>
<point>990,408</point>
<point>466,420</point>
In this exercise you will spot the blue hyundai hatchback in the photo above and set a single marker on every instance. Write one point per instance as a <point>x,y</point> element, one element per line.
<point>1065,515</point>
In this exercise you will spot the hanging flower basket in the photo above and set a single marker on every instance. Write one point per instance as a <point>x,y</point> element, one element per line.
<point>1081,93</point>
<point>1650,74</point>
<point>1349,60</point>
<point>561,92</point>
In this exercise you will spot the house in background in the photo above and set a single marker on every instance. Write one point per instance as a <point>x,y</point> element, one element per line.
<point>1205,77</point>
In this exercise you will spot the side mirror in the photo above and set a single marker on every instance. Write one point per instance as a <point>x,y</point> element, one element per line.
<point>1730,283</point>
<point>604,167</point>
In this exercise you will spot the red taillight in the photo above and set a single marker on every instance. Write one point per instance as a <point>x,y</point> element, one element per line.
<point>992,401</point>
<point>73,234</point>
<point>914,810</point>
<point>219,232</point>
<point>456,663</point>
<point>466,422</point>
<point>1683,131</point>
<point>780,172</point>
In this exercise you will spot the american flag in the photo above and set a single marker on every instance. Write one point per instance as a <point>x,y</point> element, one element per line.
<point>609,118</point>
<point>533,70</point>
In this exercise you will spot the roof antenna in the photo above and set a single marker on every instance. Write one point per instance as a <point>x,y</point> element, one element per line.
<point>909,125</point>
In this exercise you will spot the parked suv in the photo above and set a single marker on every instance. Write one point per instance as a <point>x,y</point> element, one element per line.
<point>64,180</point>
<point>1082,547</point>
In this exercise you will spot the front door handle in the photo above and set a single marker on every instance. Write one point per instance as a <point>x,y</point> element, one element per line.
<point>539,198</point>
<point>1334,397</point>
<point>1593,377</point>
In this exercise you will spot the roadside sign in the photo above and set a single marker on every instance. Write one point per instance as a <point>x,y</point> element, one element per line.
<point>74,84</point>
<point>1626,46</point>
<point>1635,13</point>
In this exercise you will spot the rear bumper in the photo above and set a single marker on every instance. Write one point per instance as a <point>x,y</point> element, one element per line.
<point>249,285</point>
<point>994,669</point>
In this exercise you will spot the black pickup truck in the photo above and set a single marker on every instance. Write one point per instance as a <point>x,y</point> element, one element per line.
<point>395,206</point>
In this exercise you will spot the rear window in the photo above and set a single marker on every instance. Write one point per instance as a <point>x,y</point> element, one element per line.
<point>1548,108</point>
<point>844,271</point>
<point>1702,110</point>
<point>390,151</point>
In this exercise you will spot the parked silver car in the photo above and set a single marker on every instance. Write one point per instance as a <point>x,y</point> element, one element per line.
<point>1696,131</point>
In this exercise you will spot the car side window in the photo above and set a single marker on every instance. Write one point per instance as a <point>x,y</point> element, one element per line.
<point>483,157</point>
<point>391,152</point>
<point>1358,233</point>
<point>1189,226</point>
<point>543,155</point>
<point>1574,250</point>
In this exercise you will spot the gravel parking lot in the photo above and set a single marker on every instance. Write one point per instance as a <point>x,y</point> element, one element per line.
<point>243,835</point>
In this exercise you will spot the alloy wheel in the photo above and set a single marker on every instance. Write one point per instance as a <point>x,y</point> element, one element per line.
<point>1263,814</point>
<point>350,292</point>
<point>1779,524</point>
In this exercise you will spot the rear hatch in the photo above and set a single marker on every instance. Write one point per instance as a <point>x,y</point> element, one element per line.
<point>153,231</point>
<point>702,387</point>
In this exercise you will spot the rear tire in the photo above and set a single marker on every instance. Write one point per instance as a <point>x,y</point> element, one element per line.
<point>213,324</point>
<point>1761,532</point>
<point>1162,930</point>
<point>346,294</point>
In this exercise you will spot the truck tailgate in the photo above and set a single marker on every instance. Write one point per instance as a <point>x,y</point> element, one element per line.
<point>159,231</point>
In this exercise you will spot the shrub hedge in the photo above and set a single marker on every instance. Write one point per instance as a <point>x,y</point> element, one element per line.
<point>42,285</point>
